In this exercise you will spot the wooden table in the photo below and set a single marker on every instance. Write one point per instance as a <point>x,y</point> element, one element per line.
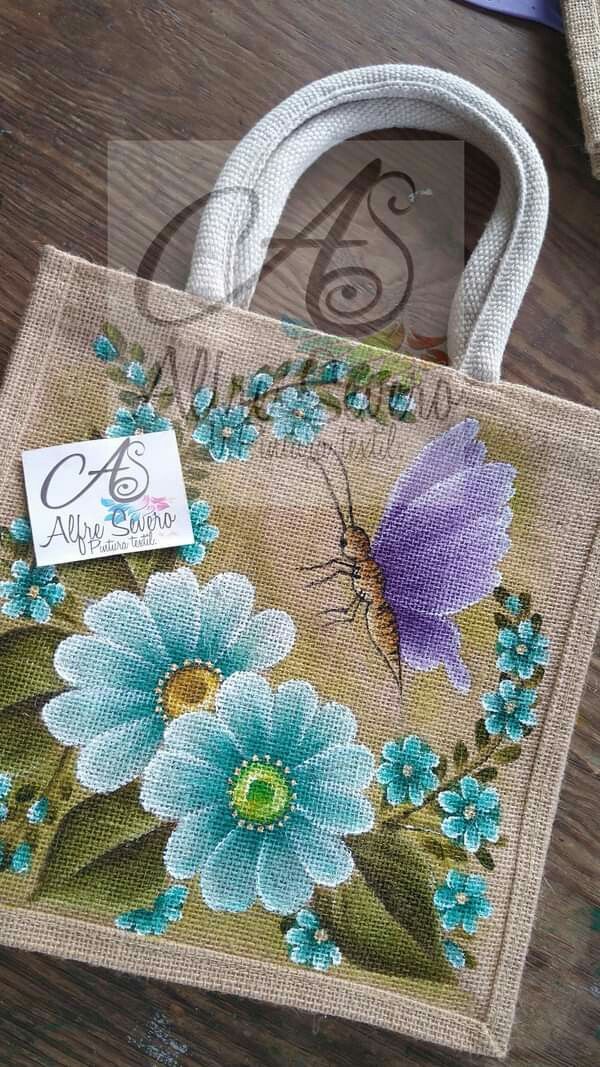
<point>77,74</point>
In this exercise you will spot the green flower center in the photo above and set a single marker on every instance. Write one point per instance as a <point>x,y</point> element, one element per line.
<point>461,898</point>
<point>521,650</point>
<point>470,812</point>
<point>190,686</point>
<point>261,793</point>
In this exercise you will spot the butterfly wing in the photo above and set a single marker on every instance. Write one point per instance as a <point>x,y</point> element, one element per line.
<point>440,539</point>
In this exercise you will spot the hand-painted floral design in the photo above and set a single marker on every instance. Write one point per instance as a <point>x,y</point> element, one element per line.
<point>20,530</point>
<point>38,811</point>
<point>143,419</point>
<point>335,370</point>
<point>462,901</point>
<point>5,788</point>
<point>510,710</point>
<point>134,372</point>
<point>297,416</point>
<point>151,659</point>
<point>259,384</point>
<point>357,401</point>
<point>264,792</point>
<point>521,649</point>
<point>407,773</point>
<point>401,403</point>
<point>202,400</point>
<point>226,433</point>
<point>105,349</point>
<point>454,954</point>
<point>204,533</point>
<point>166,909</point>
<point>20,861</point>
<point>310,945</point>
<point>33,592</point>
<point>473,813</point>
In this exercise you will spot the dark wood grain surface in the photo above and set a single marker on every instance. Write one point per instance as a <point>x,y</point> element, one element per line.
<point>78,75</point>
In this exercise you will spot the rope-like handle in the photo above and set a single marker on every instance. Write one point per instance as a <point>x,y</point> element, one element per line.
<point>252,189</point>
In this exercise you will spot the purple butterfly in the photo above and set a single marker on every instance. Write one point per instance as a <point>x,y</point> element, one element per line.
<point>435,552</point>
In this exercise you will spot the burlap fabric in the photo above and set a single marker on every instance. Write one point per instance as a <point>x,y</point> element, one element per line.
<point>413,904</point>
<point>582,26</point>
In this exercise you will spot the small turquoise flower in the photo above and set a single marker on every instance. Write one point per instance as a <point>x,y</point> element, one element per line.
<point>226,433</point>
<point>202,400</point>
<point>297,416</point>
<point>474,813</point>
<point>406,773</point>
<point>336,370</point>
<point>144,419</point>
<point>5,788</point>
<point>20,530</point>
<point>513,604</point>
<point>357,401</point>
<point>454,954</point>
<point>509,710</point>
<point>167,909</point>
<point>38,812</point>
<point>20,862</point>
<point>462,901</point>
<point>263,791</point>
<point>310,945</point>
<point>203,532</point>
<point>401,403</point>
<point>259,384</point>
<point>33,593</point>
<point>520,650</point>
<point>151,659</point>
<point>104,349</point>
<point>136,373</point>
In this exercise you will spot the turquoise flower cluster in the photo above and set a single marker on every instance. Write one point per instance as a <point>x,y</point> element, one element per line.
<point>462,901</point>
<point>226,433</point>
<point>204,533</point>
<point>509,710</point>
<point>19,861</point>
<point>149,660</point>
<point>263,792</point>
<point>143,419</point>
<point>473,813</point>
<point>297,416</point>
<point>167,908</point>
<point>310,945</point>
<point>407,773</point>
<point>521,649</point>
<point>32,593</point>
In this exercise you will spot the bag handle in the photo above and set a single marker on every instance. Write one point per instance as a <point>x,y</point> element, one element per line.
<point>251,191</point>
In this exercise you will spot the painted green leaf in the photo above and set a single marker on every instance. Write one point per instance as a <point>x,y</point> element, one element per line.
<point>27,663</point>
<point>442,768</point>
<point>481,735</point>
<point>136,352</point>
<point>445,851</point>
<point>26,747</point>
<point>368,936</point>
<point>397,874</point>
<point>107,854</point>
<point>487,774</point>
<point>485,858</point>
<point>502,621</point>
<point>114,335</point>
<point>329,400</point>
<point>115,373</point>
<point>460,755</point>
<point>507,754</point>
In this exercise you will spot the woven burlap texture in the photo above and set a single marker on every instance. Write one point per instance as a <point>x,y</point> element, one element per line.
<point>275,514</point>
<point>582,25</point>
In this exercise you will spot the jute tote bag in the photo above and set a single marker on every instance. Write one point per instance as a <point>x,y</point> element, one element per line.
<point>314,756</point>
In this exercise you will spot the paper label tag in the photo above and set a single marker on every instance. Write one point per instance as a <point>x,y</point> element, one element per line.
<point>101,498</point>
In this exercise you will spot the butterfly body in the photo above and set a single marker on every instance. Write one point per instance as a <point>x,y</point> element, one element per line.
<point>434,553</point>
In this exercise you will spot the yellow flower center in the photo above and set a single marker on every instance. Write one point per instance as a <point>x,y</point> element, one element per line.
<point>521,650</point>
<point>407,770</point>
<point>461,898</point>
<point>34,590</point>
<point>227,431</point>
<point>261,794</point>
<point>470,812</point>
<point>189,687</point>
<point>510,707</point>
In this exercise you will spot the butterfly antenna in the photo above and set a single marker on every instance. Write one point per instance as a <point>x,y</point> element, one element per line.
<point>342,467</point>
<point>334,498</point>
